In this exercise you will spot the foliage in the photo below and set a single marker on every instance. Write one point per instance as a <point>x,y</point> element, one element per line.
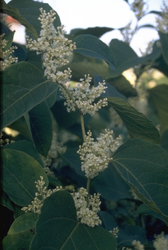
<point>133,188</point>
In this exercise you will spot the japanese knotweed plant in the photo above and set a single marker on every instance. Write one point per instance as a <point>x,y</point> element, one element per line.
<point>95,156</point>
<point>76,199</point>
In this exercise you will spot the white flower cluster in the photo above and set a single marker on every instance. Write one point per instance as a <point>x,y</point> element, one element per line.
<point>95,156</point>
<point>87,207</point>
<point>137,245</point>
<point>162,22</point>
<point>6,55</point>
<point>83,96</point>
<point>160,242</point>
<point>54,47</point>
<point>115,231</point>
<point>139,7</point>
<point>40,196</point>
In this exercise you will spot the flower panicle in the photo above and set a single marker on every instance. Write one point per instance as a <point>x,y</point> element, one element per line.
<point>41,194</point>
<point>87,207</point>
<point>6,55</point>
<point>54,47</point>
<point>95,156</point>
<point>82,97</point>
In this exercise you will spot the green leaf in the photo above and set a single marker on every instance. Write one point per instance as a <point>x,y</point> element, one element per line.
<point>20,52</point>
<point>23,223</point>
<point>130,233</point>
<point>143,209</point>
<point>164,44</point>
<point>136,123</point>
<point>161,65</point>
<point>110,185</point>
<point>159,96</point>
<point>57,228</point>
<point>6,202</point>
<point>4,29</point>
<point>20,171</point>
<point>73,159</point>
<point>126,57</point>
<point>9,38</point>
<point>34,59</point>
<point>144,166</point>
<point>95,31</point>
<point>164,141</point>
<point>31,17</point>
<point>80,68</point>
<point>18,241</point>
<point>123,86</point>
<point>26,147</point>
<point>14,12</point>
<point>91,46</point>
<point>20,126</point>
<point>23,88</point>
<point>41,127</point>
<point>61,115</point>
<point>108,220</point>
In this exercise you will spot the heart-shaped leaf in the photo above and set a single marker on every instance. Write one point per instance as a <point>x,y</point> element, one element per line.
<point>58,228</point>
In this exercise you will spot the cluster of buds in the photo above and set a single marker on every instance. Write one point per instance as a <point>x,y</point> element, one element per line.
<point>6,55</point>
<point>160,242</point>
<point>40,196</point>
<point>54,47</point>
<point>137,245</point>
<point>87,207</point>
<point>95,156</point>
<point>82,97</point>
<point>115,231</point>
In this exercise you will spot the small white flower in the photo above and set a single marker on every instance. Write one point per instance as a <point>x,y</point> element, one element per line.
<point>54,47</point>
<point>115,231</point>
<point>137,245</point>
<point>83,97</point>
<point>160,242</point>
<point>40,196</point>
<point>87,207</point>
<point>6,55</point>
<point>95,156</point>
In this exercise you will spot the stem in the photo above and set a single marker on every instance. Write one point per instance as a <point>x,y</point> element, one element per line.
<point>83,134</point>
<point>66,90</point>
<point>82,126</point>
<point>88,185</point>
